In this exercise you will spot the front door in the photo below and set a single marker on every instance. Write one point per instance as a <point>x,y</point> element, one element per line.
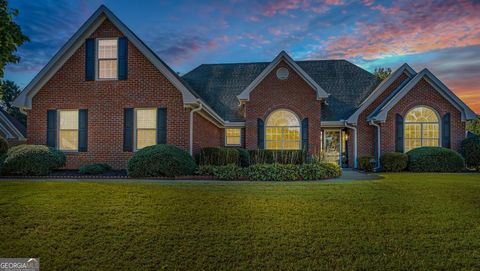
<point>332,146</point>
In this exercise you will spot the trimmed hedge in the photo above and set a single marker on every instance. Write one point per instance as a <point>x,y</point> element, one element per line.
<point>243,157</point>
<point>94,169</point>
<point>366,163</point>
<point>272,172</point>
<point>296,157</point>
<point>394,161</point>
<point>3,146</point>
<point>470,150</point>
<point>218,156</point>
<point>161,160</point>
<point>435,159</point>
<point>35,160</point>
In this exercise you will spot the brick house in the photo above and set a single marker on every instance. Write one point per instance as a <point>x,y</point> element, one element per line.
<point>105,94</point>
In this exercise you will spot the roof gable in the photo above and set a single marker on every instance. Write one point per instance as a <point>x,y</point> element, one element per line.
<point>24,100</point>
<point>405,68</point>
<point>466,112</point>
<point>220,84</point>
<point>245,94</point>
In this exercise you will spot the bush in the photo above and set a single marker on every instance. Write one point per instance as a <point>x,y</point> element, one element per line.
<point>394,161</point>
<point>318,171</point>
<point>205,170</point>
<point>161,160</point>
<point>3,146</point>
<point>33,160</point>
<point>94,169</point>
<point>243,157</point>
<point>470,150</point>
<point>218,156</point>
<point>296,157</point>
<point>273,172</point>
<point>434,159</point>
<point>366,163</point>
<point>230,172</point>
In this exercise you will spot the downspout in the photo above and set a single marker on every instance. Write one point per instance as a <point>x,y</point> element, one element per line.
<point>355,152</point>
<point>191,126</point>
<point>378,143</point>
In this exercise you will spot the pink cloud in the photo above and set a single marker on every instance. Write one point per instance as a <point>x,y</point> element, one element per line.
<point>416,27</point>
<point>283,6</point>
<point>253,18</point>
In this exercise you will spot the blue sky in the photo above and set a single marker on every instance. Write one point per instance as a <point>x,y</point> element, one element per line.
<point>443,36</point>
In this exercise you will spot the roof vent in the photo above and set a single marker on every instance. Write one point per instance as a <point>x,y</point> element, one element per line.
<point>282,73</point>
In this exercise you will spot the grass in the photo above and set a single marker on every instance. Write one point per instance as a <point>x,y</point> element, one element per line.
<point>402,222</point>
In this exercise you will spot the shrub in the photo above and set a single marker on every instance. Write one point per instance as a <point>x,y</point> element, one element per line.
<point>161,160</point>
<point>366,163</point>
<point>296,157</point>
<point>94,169</point>
<point>243,157</point>
<point>317,171</point>
<point>205,170</point>
<point>273,172</point>
<point>394,161</point>
<point>470,150</point>
<point>3,146</point>
<point>218,156</point>
<point>33,160</point>
<point>230,172</point>
<point>434,159</point>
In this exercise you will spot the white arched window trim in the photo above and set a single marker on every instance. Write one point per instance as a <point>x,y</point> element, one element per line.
<point>419,127</point>
<point>283,137</point>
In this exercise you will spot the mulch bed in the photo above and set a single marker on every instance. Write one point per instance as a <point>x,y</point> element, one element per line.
<point>114,174</point>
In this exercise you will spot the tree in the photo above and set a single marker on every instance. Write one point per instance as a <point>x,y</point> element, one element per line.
<point>8,92</point>
<point>11,36</point>
<point>474,126</point>
<point>382,73</point>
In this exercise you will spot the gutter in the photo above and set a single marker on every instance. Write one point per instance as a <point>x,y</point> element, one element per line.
<point>378,143</point>
<point>355,150</point>
<point>191,127</point>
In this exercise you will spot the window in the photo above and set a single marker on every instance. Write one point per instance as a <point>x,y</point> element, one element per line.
<point>232,136</point>
<point>145,127</point>
<point>282,131</point>
<point>68,130</point>
<point>422,128</point>
<point>107,58</point>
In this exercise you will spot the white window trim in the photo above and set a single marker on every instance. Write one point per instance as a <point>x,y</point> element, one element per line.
<point>57,132</point>
<point>233,145</point>
<point>97,60</point>
<point>421,127</point>
<point>135,125</point>
<point>283,141</point>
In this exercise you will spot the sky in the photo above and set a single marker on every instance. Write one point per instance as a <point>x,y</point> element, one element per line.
<point>443,36</point>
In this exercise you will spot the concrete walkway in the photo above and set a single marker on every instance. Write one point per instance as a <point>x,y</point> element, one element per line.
<point>354,175</point>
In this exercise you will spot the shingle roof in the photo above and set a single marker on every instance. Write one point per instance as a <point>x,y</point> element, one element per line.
<point>219,85</point>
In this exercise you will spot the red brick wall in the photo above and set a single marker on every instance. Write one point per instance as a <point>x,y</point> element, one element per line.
<point>105,101</point>
<point>206,134</point>
<point>366,132</point>
<point>422,94</point>
<point>294,94</point>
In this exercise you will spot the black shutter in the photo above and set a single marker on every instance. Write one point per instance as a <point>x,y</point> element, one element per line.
<point>128,129</point>
<point>446,131</point>
<point>242,137</point>
<point>305,134</point>
<point>90,59</point>
<point>161,126</point>
<point>51,128</point>
<point>122,58</point>
<point>260,134</point>
<point>82,130</point>
<point>398,133</point>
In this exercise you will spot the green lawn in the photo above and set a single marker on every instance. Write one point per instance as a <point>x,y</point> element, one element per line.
<point>402,222</point>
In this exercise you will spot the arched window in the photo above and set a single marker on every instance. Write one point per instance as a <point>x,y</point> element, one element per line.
<point>422,128</point>
<point>282,131</point>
